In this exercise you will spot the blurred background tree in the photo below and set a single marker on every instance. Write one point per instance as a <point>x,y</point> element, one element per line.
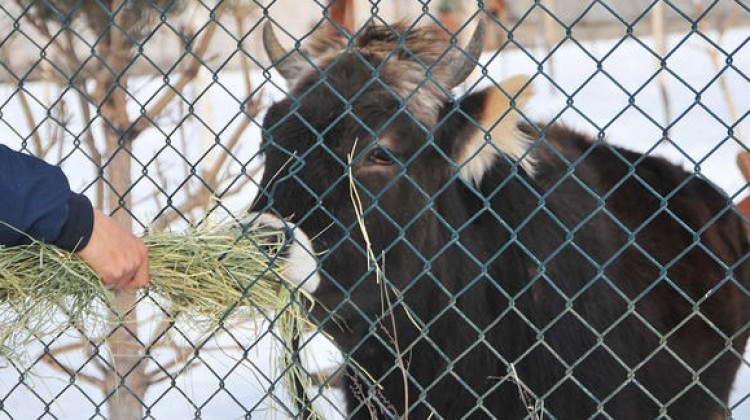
<point>95,45</point>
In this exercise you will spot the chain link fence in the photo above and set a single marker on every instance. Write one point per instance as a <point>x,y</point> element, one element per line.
<point>478,254</point>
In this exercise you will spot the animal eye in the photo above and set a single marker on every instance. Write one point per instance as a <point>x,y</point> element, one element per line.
<point>380,156</point>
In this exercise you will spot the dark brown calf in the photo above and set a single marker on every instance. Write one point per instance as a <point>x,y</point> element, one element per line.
<point>526,270</point>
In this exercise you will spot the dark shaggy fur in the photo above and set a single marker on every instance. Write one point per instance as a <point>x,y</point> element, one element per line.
<point>589,289</point>
<point>398,56</point>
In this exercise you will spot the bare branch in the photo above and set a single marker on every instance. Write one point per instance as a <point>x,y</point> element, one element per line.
<point>50,360</point>
<point>187,75</point>
<point>100,367</point>
<point>31,122</point>
<point>57,351</point>
<point>713,56</point>
<point>202,196</point>
<point>158,375</point>
<point>42,27</point>
<point>57,133</point>
<point>88,345</point>
<point>550,34</point>
<point>211,174</point>
<point>244,62</point>
<point>660,45</point>
<point>181,353</point>
<point>83,104</point>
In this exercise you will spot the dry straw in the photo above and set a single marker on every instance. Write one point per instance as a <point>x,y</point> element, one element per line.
<point>201,276</point>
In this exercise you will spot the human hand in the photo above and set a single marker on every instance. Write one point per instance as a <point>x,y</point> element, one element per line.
<point>120,258</point>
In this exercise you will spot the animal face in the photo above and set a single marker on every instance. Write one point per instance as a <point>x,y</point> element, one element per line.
<point>370,133</point>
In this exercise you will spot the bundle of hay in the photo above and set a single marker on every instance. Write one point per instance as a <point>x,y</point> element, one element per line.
<point>200,275</point>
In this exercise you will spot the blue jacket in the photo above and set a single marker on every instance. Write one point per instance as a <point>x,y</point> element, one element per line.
<point>35,199</point>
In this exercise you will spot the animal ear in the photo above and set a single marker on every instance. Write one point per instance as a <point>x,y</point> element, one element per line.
<point>494,129</point>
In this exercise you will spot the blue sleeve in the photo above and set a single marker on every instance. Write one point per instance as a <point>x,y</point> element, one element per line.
<point>36,202</point>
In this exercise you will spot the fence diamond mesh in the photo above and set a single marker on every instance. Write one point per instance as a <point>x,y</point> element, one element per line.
<point>500,209</point>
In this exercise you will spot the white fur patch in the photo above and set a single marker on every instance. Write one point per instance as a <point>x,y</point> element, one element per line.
<point>499,120</point>
<point>301,267</point>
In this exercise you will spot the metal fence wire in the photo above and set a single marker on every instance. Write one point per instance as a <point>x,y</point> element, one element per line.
<point>514,209</point>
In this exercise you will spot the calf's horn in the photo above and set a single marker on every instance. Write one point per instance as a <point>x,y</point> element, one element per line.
<point>461,63</point>
<point>287,64</point>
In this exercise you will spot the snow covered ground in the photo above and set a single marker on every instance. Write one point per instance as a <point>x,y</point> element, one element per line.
<point>597,104</point>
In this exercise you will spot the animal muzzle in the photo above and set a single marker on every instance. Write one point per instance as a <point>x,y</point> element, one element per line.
<point>300,264</point>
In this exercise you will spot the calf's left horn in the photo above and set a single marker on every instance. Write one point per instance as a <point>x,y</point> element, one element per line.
<point>461,63</point>
<point>287,64</point>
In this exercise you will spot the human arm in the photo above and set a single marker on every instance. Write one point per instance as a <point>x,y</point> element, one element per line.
<point>36,203</point>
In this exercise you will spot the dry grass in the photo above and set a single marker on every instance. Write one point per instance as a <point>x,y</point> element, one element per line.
<point>202,276</point>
